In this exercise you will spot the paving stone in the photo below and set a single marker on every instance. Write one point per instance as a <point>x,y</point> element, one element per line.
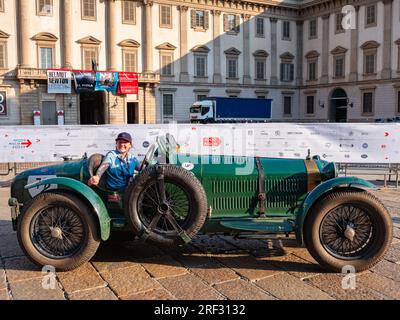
<point>158,294</point>
<point>20,268</point>
<point>6,228</point>
<point>331,283</point>
<point>33,289</point>
<point>393,253</point>
<point>396,221</point>
<point>189,287</point>
<point>9,246</point>
<point>4,295</point>
<point>246,244</point>
<point>288,287</point>
<point>305,255</point>
<point>295,266</point>
<point>388,269</point>
<point>85,277</point>
<point>213,244</point>
<point>215,274</point>
<point>195,260</point>
<point>396,233</point>
<point>248,266</point>
<point>129,280</point>
<point>93,294</point>
<point>3,283</point>
<point>106,265</point>
<point>381,284</point>
<point>164,266</point>
<point>140,250</point>
<point>242,290</point>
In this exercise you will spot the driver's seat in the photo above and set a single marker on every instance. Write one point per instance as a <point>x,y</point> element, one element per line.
<point>93,164</point>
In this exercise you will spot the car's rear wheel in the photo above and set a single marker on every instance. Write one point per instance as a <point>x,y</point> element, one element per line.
<point>58,229</point>
<point>348,228</point>
<point>166,205</point>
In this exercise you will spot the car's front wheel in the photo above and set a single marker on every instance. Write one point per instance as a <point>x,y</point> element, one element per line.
<point>348,228</point>
<point>58,229</point>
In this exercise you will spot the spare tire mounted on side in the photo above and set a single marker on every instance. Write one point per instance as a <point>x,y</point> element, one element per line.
<point>166,205</point>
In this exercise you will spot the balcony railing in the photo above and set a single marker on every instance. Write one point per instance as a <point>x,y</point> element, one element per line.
<point>41,74</point>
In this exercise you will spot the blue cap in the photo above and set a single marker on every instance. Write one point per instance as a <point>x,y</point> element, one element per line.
<point>124,136</point>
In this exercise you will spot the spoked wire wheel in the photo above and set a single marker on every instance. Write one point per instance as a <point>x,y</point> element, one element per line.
<point>347,231</point>
<point>163,217</point>
<point>57,232</point>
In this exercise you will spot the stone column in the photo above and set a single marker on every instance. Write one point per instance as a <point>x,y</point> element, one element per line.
<point>246,49</point>
<point>299,58</point>
<point>147,36</point>
<point>111,17</point>
<point>274,51</point>
<point>387,40</point>
<point>217,77</point>
<point>23,20</point>
<point>67,39</point>
<point>183,46</point>
<point>354,48</point>
<point>325,49</point>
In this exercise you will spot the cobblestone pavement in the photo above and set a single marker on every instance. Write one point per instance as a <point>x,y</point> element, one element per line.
<point>208,268</point>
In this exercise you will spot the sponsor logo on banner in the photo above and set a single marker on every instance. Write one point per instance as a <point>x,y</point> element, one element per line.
<point>365,145</point>
<point>146,144</point>
<point>85,81</point>
<point>211,141</point>
<point>364,156</point>
<point>188,166</point>
<point>106,81</point>
<point>59,81</point>
<point>3,104</point>
<point>128,83</point>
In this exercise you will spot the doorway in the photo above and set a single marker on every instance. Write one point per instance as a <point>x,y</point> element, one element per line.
<point>49,113</point>
<point>132,109</point>
<point>92,107</point>
<point>338,107</point>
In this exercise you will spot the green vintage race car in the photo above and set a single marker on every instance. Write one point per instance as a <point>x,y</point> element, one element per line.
<point>60,221</point>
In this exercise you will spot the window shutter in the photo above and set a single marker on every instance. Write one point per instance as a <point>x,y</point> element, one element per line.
<point>225,22</point>
<point>291,72</point>
<point>237,23</point>
<point>206,20</point>
<point>193,19</point>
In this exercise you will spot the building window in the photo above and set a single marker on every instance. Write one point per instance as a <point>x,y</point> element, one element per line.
<point>88,9</point>
<point>369,64</point>
<point>313,29</point>
<point>1,5</point>
<point>370,15</point>
<point>312,71</point>
<point>287,72</point>
<point>260,27</point>
<point>338,24</point>
<point>129,61</point>
<point>200,97</point>
<point>285,30</point>
<point>165,16</point>
<point>200,66</point>
<point>287,105</point>
<point>310,105</point>
<point>199,20</point>
<point>232,67</point>
<point>90,58</point>
<point>128,12</point>
<point>168,107</point>
<point>3,55</point>
<point>44,7</point>
<point>339,67</point>
<point>231,23</point>
<point>167,64</point>
<point>46,58</point>
<point>367,103</point>
<point>370,49</point>
<point>260,69</point>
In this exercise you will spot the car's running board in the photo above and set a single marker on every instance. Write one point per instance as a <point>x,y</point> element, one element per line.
<point>259,225</point>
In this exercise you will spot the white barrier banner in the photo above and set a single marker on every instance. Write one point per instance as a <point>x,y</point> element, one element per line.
<point>348,142</point>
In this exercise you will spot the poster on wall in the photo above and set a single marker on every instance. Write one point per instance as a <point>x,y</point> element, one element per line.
<point>106,81</point>
<point>3,103</point>
<point>128,83</point>
<point>58,81</point>
<point>85,81</point>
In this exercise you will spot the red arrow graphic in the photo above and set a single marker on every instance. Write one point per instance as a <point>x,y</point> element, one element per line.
<point>27,143</point>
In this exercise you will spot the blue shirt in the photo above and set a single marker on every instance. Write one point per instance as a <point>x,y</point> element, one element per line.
<point>120,170</point>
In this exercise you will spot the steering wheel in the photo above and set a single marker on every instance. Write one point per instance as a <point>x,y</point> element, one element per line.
<point>148,157</point>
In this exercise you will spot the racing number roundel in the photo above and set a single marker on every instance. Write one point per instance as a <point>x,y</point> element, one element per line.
<point>3,109</point>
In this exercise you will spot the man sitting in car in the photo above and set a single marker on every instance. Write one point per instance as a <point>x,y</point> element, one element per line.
<point>119,165</point>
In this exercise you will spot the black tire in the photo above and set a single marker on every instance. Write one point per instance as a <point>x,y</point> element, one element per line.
<point>186,196</point>
<point>325,232</point>
<point>41,246</point>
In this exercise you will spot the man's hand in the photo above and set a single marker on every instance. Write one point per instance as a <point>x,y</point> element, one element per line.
<point>93,181</point>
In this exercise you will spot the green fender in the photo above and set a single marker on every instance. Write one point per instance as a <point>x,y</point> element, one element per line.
<point>314,195</point>
<point>88,193</point>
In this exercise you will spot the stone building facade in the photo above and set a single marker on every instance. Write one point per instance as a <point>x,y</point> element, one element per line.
<point>295,52</point>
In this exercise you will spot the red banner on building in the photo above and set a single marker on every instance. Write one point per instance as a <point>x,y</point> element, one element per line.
<point>128,83</point>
